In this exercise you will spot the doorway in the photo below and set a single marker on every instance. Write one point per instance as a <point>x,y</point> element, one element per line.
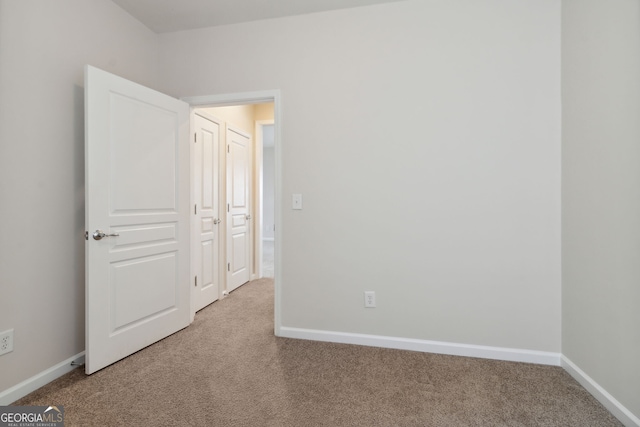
<point>255,116</point>
<point>149,182</point>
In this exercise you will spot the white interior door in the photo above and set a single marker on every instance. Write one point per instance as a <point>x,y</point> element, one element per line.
<point>137,216</point>
<point>238,208</point>
<point>206,242</point>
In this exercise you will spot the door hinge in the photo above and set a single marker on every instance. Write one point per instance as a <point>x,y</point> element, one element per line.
<point>228,266</point>
<point>228,149</point>
<point>227,207</point>
<point>86,235</point>
<point>195,137</point>
<point>195,209</point>
<point>196,282</point>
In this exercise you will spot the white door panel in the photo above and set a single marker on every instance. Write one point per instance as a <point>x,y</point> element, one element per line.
<point>207,172</point>
<point>239,252</point>
<point>151,276</point>
<point>137,190</point>
<point>238,195</point>
<point>142,151</point>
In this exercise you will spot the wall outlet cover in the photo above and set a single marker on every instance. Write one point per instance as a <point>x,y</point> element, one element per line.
<point>6,341</point>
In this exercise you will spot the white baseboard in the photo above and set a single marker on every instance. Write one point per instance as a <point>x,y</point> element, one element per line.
<point>43,378</point>
<point>611,403</point>
<point>483,352</point>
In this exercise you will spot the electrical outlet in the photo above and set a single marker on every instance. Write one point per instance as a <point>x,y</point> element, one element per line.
<point>369,299</point>
<point>6,341</point>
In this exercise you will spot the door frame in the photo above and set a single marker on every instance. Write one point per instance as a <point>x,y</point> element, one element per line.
<point>258,97</point>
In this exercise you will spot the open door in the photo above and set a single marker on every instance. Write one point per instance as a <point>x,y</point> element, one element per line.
<point>239,242</point>
<point>137,216</point>
<point>205,251</point>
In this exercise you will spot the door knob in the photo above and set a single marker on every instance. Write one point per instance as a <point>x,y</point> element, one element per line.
<point>217,221</point>
<point>248,217</point>
<point>99,235</point>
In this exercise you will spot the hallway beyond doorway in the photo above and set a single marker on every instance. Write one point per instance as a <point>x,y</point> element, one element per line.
<point>268,251</point>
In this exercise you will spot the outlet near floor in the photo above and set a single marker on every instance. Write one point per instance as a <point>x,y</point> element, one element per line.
<point>6,341</point>
<point>369,299</point>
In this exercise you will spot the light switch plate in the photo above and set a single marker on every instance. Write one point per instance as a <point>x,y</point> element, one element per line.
<point>296,201</point>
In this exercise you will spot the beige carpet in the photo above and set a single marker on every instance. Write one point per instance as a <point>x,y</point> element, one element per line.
<point>227,369</point>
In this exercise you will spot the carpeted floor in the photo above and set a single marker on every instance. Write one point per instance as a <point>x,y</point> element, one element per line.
<point>228,369</point>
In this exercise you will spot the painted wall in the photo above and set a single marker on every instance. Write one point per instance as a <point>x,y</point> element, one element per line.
<point>601,193</point>
<point>241,117</point>
<point>44,46</point>
<point>264,111</point>
<point>425,139</point>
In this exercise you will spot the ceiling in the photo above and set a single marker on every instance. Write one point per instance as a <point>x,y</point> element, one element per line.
<point>164,16</point>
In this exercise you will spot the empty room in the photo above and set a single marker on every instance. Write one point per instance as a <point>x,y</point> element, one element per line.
<point>455,211</point>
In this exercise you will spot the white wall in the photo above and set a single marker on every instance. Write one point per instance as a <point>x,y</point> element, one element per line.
<point>43,48</point>
<point>425,138</point>
<point>601,187</point>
